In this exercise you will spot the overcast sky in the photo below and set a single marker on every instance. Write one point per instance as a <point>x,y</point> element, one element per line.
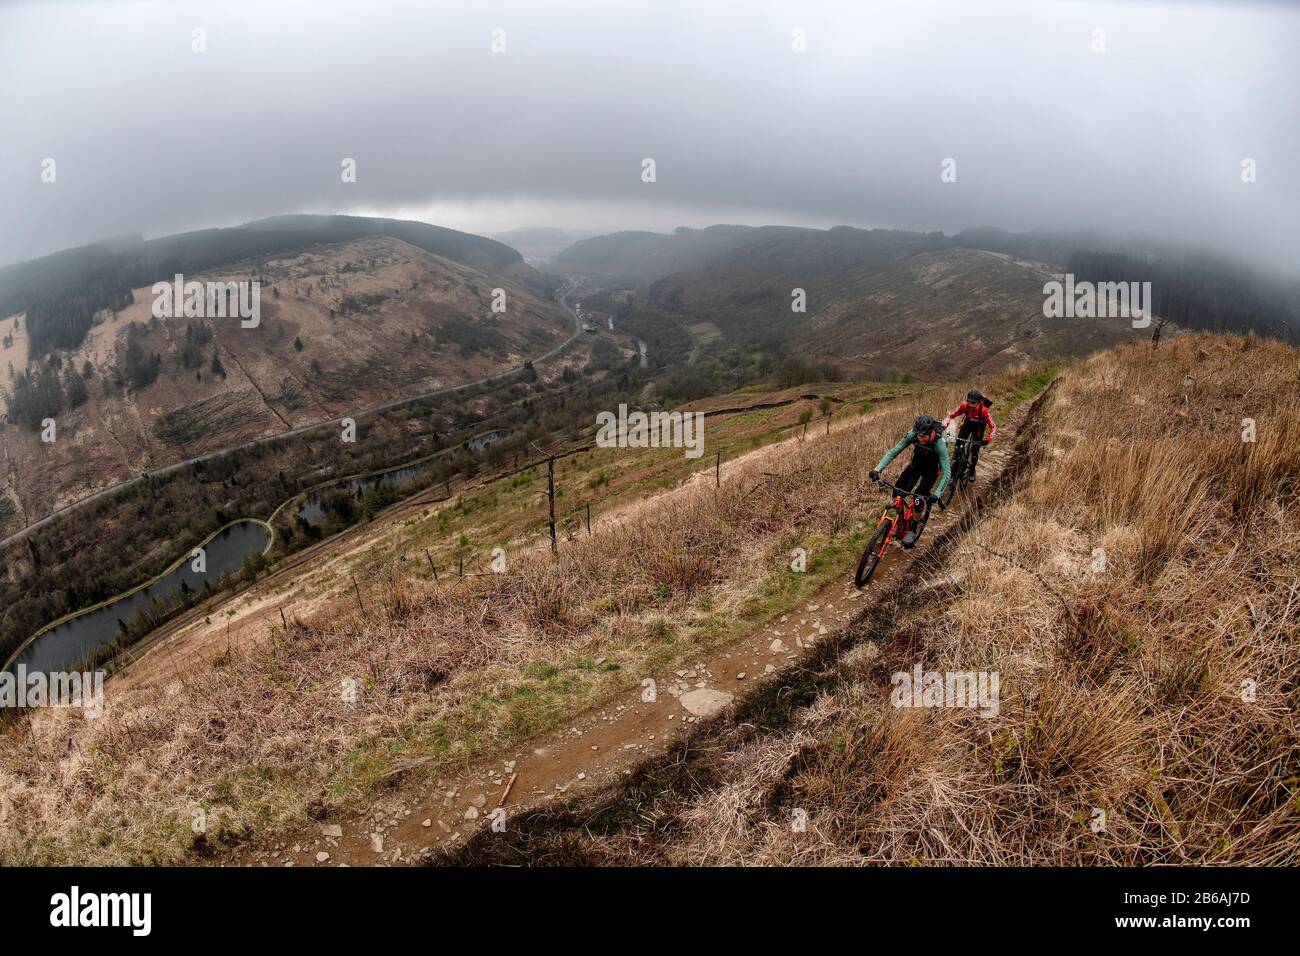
<point>1145,138</point>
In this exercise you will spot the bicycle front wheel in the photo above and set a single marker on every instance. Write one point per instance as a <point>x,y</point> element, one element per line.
<point>955,479</point>
<point>871,556</point>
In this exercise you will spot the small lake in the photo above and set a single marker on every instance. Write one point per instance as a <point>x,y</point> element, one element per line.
<point>62,647</point>
<point>312,510</point>
<point>479,442</point>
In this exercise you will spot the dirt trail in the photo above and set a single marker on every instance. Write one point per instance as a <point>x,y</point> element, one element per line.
<point>420,817</point>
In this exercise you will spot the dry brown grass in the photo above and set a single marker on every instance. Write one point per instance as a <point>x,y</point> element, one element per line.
<point>264,737</point>
<point>1123,695</point>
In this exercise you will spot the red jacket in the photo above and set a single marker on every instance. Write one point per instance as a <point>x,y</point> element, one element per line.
<point>977,412</point>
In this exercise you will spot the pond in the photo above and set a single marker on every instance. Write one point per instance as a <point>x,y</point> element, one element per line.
<point>62,647</point>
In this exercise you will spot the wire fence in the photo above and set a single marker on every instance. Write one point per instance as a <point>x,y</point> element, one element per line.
<point>569,524</point>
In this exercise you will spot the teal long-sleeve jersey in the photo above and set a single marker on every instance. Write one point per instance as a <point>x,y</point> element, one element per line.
<point>940,448</point>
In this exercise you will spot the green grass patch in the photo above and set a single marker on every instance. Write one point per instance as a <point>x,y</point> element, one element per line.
<point>1030,386</point>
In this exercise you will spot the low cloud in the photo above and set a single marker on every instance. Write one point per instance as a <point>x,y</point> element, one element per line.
<point>1139,129</point>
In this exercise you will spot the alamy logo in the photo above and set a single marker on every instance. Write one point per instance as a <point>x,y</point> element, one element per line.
<point>209,300</point>
<point>103,909</point>
<point>21,689</point>
<point>1089,300</point>
<point>972,690</point>
<point>656,430</point>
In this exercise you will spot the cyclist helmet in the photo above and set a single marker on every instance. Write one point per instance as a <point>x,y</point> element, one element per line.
<point>974,395</point>
<point>925,424</point>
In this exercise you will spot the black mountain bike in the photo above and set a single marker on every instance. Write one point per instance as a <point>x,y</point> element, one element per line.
<point>960,466</point>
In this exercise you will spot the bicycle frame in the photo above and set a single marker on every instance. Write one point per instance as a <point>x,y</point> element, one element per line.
<point>887,527</point>
<point>960,459</point>
<point>961,452</point>
<point>893,522</point>
<point>907,514</point>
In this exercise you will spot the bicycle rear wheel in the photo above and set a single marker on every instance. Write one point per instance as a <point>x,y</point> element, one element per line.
<point>871,556</point>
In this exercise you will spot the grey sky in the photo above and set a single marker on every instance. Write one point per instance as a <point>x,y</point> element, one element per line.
<point>1145,138</point>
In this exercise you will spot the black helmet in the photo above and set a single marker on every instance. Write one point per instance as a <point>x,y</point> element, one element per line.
<point>925,424</point>
<point>974,395</point>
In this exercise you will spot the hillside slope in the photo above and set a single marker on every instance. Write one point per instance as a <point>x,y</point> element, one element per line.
<point>875,303</point>
<point>1135,589</point>
<point>946,315</point>
<point>747,253</point>
<point>1122,682</point>
<point>344,327</point>
<point>127,262</point>
<point>453,667</point>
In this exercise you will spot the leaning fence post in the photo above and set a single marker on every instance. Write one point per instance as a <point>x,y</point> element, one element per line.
<point>431,567</point>
<point>360,606</point>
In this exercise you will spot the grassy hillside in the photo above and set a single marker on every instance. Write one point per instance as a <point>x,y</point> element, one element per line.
<point>1135,587</point>
<point>1125,577</point>
<point>241,716</point>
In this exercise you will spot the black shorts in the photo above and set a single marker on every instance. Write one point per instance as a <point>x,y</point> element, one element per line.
<point>914,479</point>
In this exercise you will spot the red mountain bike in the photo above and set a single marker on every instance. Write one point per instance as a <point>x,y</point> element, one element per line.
<point>893,522</point>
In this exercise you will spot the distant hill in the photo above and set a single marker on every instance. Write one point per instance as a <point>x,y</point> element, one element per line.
<point>633,257</point>
<point>66,287</point>
<point>946,314</point>
<point>541,243</point>
<point>876,302</point>
<point>889,301</point>
<point>345,325</point>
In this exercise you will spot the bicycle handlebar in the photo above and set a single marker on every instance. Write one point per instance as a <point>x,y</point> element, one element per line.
<point>910,494</point>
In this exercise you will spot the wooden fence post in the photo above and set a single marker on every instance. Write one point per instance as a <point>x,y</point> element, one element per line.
<point>550,494</point>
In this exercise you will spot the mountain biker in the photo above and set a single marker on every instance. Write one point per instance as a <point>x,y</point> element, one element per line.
<point>929,461</point>
<point>975,415</point>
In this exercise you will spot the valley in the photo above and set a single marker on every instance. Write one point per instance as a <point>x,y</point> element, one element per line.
<point>415,568</point>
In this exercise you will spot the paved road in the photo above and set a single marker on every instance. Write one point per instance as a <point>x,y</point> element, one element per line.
<point>82,502</point>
